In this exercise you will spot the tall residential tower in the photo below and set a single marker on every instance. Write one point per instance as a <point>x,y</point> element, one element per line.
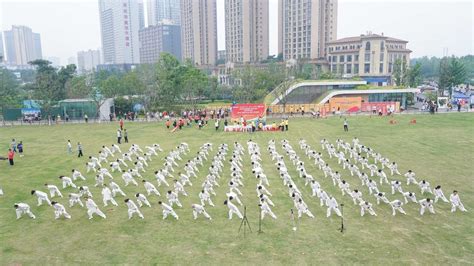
<point>22,45</point>
<point>159,10</point>
<point>305,26</point>
<point>246,26</point>
<point>120,21</point>
<point>199,31</point>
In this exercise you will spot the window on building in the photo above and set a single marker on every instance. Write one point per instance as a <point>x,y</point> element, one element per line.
<point>381,57</point>
<point>367,46</point>
<point>381,68</point>
<point>341,58</point>
<point>334,58</point>
<point>366,68</point>
<point>367,57</point>
<point>356,58</point>
<point>382,46</point>
<point>348,69</point>
<point>349,58</point>
<point>356,69</point>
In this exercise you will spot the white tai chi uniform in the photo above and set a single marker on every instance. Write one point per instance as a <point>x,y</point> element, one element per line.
<point>366,206</point>
<point>67,182</point>
<point>383,176</point>
<point>381,196</point>
<point>356,197</point>
<point>456,202</point>
<point>53,191</point>
<point>141,199</point>
<point>372,185</point>
<point>99,180</point>
<point>410,178</point>
<point>150,188</point>
<point>265,209</point>
<point>23,208</point>
<point>397,206</point>
<point>233,209</point>
<point>59,211</point>
<point>425,187</point>
<point>168,210</point>
<point>234,196</point>
<point>199,209</point>
<point>409,195</point>
<point>439,195</point>
<point>396,186</point>
<point>132,209</point>
<point>160,178</point>
<point>84,190</point>
<point>303,208</point>
<point>425,204</point>
<point>115,166</point>
<point>92,208</point>
<point>204,196</point>
<point>116,189</point>
<point>173,198</point>
<point>333,206</point>
<point>42,197</point>
<point>107,196</point>
<point>128,178</point>
<point>75,198</point>
<point>76,174</point>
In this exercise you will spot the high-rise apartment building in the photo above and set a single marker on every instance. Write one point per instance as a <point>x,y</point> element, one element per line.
<point>159,10</point>
<point>246,24</point>
<point>88,60</point>
<point>22,45</point>
<point>157,39</point>
<point>120,22</point>
<point>199,31</point>
<point>305,26</point>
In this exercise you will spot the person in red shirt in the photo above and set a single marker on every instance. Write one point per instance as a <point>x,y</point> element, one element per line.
<point>121,124</point>
<point>11,155</point>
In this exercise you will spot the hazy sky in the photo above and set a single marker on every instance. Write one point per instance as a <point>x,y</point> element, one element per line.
<point>68,26</point>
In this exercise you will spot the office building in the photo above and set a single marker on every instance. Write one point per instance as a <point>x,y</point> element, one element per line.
<point>22,45</point>
<point>159,10</point>
<point>157,39</point>
<point>246,24</point>
<point>369,56</point>
<point>305,26</point>
<point>199,31</point>
<point>120,22</point>
<point>88,60</point>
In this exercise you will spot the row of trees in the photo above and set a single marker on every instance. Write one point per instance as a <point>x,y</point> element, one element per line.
<point>160,86</point>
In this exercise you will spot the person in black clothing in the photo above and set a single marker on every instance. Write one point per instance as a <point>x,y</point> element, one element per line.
<point>79,150</point>
<point>125,135</point>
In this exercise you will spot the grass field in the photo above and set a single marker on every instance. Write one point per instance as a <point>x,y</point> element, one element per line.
<point>438,148</point>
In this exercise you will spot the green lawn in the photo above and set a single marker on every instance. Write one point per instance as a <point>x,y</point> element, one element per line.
<point>438,148</point>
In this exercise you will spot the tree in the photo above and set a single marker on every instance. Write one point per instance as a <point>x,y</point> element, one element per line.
<point>193,82</point>
<point>400,72</point>
<point>168,73</point>
<point>9,88</point>
<point>452,73</point>
<point>414,75</point>
<point>47,87</point>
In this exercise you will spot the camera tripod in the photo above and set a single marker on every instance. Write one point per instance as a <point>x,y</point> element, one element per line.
<point>342,218</point>
<point>245,222</point>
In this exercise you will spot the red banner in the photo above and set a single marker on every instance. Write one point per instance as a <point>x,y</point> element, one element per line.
<point>248,111</point>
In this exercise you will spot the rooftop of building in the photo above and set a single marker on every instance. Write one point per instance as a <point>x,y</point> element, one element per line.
<point>369,35</point>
